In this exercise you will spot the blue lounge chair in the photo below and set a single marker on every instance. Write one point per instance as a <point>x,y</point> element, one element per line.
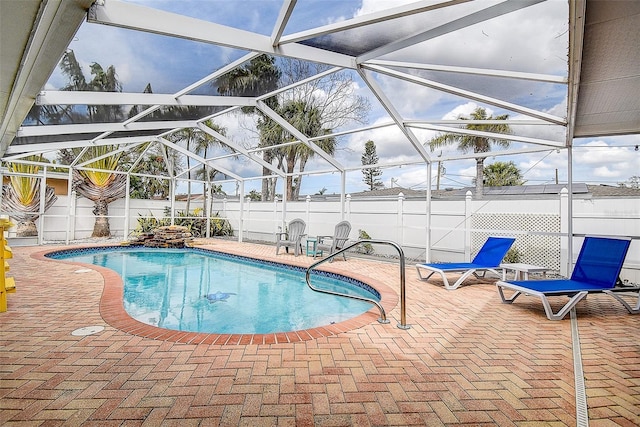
<point>597,269</point>
<point>488,259</point>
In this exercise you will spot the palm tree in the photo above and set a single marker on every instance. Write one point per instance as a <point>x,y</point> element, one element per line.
<point>475,143</point>
<point>98,183</point>
<point>259,76</point>
<point>502,174</point>
<point>338,105</point>
<point>158,161</point>
<point>202,146</point>
<point>189,136</point>
<point>102,81</point>
<point>22,196</point>
<point>308,120</point>
<point>58,114</point>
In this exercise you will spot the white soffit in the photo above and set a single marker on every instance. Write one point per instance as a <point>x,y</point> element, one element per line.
<point>33,36</point>
<point>609,89</point>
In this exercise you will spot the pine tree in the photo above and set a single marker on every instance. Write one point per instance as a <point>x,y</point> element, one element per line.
<point>369,157</point>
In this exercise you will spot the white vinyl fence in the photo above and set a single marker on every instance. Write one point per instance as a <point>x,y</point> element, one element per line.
<point>457,227</point>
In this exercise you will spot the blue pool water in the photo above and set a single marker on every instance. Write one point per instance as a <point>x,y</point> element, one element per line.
<point>197,290</point>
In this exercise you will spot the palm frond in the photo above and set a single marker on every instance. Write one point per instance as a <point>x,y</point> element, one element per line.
<point>25,187</point>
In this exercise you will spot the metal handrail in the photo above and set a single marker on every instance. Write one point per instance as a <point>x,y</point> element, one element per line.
<point>383,315</point>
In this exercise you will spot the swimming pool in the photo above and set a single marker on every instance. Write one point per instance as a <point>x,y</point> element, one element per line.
<point>199,290</point>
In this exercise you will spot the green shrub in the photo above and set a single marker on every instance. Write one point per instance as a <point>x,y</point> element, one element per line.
<point>197,226</point>
<point>513,256</point>
<point>364,248</point>
<point>147,224</point>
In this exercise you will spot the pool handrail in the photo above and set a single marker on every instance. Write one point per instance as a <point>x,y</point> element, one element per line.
<point>383,315</point>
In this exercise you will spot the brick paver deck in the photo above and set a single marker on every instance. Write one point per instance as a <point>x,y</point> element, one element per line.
<point>467,359</point>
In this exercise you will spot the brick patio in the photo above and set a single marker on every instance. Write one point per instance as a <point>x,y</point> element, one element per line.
<point>467,359</point>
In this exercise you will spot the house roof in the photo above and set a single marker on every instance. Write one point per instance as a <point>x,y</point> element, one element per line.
<point>580,190</point>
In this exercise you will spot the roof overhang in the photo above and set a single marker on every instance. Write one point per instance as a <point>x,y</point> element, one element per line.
<point>604,42</point>
<point>33,36</point>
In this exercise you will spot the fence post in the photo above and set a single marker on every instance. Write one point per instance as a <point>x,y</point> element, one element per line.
<point>172,194</point>
<point>565,256</point>
<point>467,226</point>
<point>71,226</point>
<point>41,208</point>
<point>241,212</point>
<point>348,207</point>
<point>400,219</point>
<point>245,218</point>
<point>127,208</point>
<point>207,212</point>
<point>278,223</point>
<point>308,213</point>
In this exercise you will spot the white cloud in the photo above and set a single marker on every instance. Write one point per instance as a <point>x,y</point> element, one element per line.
<point>599,152</point>
<point>370,6</point>
<point>464,110</point>
<point>412,176</point>
<point>531,39</point>
<point>605,172</point>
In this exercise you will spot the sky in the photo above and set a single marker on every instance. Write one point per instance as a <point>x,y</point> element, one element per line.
<point>532,40</point>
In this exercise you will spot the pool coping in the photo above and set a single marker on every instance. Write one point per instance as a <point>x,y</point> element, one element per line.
<point>113,313</point>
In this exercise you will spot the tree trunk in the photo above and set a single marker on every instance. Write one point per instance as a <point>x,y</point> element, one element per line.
<point>188,207</point>
<point>296,191</point>
<point>289,187</point>
<point>479,178</point>
<point>205,195</point>
<point>266,194</point>
<point>101,226</point>
<point>291,163</point>
<point>26,228</point>
<point>272,187</point>
<point>296,188</point>
<point>266,191</point>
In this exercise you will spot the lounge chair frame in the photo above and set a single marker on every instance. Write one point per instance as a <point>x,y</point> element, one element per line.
<point>574,298</point>
<point>580,285</point>
<point>488,259</point>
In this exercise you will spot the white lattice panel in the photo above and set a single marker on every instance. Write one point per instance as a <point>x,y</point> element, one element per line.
<point>534,249</point>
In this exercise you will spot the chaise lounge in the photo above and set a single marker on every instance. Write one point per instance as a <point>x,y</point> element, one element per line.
<point>597,270</point>
<point>488,259</point>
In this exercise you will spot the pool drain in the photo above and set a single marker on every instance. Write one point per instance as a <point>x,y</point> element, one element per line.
<point>87,330</point>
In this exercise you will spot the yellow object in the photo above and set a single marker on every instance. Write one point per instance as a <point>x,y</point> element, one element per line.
<point>10,285</point>
<point>7,284</point>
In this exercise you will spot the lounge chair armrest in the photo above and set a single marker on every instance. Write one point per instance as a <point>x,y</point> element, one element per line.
<point>322,238</point>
